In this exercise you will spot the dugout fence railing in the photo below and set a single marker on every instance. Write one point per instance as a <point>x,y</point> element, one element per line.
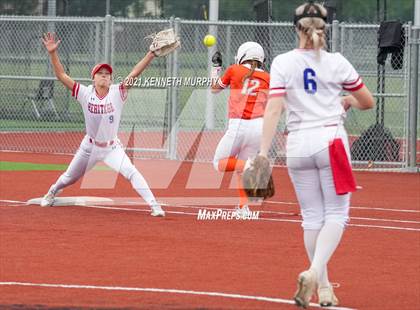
<point>170,111</point>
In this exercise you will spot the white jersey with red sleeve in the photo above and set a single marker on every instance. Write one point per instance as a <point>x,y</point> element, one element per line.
<point>102,114</point>
<point>311,83</point>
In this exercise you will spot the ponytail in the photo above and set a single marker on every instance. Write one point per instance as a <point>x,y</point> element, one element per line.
<point>312,27</point>
<point>254,65</point>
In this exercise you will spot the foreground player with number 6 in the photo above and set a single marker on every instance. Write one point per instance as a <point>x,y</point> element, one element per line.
<point>248,97</point>
<point>307,82</point>
<point>102,104</point>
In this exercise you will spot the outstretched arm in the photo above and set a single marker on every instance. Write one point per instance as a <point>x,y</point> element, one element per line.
<point>138,69</point>
<point>51,44</point>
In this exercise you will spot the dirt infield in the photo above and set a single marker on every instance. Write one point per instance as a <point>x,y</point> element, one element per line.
<point>120,257</point>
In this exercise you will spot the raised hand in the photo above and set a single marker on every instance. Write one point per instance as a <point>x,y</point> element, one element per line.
<point>50,41</point>
<point>217,59</point>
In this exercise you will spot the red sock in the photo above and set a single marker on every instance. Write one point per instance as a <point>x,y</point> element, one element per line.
<point>231,164</point>
<point>243,197</point>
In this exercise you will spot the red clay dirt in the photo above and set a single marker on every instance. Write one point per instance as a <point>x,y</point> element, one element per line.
<point>377,268</point>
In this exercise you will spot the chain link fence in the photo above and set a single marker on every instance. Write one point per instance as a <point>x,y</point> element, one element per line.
<point>182,120</point>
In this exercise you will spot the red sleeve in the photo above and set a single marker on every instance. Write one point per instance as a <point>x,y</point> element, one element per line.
<point>353,85</point>
<point>224,81</point>
<point>75,90</point>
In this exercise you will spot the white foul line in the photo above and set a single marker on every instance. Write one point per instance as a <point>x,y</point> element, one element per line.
<point>361,208</point>
<point>383,220</point>
<point>385,209</point>
<point>264,219</point>
<point>12,201</point>
<point>261,219</point>
<point>160,290</point>
<point>385,227</point>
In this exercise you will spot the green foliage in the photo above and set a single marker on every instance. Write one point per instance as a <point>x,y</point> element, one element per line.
<point>347,11</point>
<point>94,7</point>
<point>197,9</point>
<point>17,7</point>
<point>367,10</point>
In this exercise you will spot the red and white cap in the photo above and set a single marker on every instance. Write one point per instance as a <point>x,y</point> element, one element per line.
<point>99,67</point>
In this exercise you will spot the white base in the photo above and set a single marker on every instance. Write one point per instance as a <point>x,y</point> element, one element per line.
<point>73,201</point>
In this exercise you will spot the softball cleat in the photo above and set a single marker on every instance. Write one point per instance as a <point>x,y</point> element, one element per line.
<point>243,213</point>
<point>307,281</point>
<point>326,296</point>
<point>48,199</point>
<point>157,210</point>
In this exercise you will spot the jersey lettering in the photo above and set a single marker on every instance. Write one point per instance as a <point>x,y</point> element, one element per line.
<point>308,81</point>
<point>250,87</point>
<point>100,108</point>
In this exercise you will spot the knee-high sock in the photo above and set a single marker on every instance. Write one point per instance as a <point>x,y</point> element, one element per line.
<point>63,181</point>
<point>142,188</point>
<point>231,164</point>
<point>243,197</point>
<point>234,164</point>
<point>310,239</point>
<point>328,239</point>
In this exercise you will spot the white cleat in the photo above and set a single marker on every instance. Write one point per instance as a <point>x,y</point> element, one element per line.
<point>243,212</point>
<point>307,282</point>
<point>48,199</point>
<point>326,296</point>
<point>157,210</point>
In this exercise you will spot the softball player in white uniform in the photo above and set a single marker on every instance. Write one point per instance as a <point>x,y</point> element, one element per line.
<point>102,105</point>
<point>308,82</point>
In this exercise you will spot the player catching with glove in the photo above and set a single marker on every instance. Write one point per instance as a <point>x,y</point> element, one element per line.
<point>249,85</point>
<point>102,104</point>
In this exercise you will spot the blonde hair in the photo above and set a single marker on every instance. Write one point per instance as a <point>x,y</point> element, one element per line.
<point>313,28</point>
<point>254,64</point>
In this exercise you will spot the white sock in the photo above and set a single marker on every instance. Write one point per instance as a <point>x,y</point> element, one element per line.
<point>328,239</point>
<point>54,189</point>
<point>142,188</point>
<point>310,238</point>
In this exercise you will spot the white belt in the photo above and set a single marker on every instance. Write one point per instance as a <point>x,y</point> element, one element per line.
<point>101,144</point>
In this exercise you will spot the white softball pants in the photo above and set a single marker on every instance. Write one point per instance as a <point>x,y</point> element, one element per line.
<point>114,156</point>
<point>309,168</point>
<point>241,140</point>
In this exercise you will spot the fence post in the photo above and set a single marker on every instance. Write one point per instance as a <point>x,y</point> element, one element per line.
<point>228,44</point>
<point>97,42</point>
<point>169,90</point>
<point>108,38</point>
<point>227,60</point>
<point>174,98</point>
<point>342,34</point>
<point>414,97</point>
<point>334,36</point>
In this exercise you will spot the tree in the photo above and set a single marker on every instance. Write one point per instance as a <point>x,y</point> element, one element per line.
<point>93,7</point>
<point>18,7</point>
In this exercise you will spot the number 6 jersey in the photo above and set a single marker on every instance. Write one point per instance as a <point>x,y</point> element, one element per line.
<point>102,114</point>
<point>312,82</point>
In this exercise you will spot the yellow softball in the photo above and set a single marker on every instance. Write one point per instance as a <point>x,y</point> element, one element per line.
<point>209,40</point>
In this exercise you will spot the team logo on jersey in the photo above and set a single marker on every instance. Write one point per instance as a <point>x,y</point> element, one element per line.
<point>100,108</point>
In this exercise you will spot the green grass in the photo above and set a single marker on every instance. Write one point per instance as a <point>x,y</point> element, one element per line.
<point>41,126</point>
<point>24,166</point>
